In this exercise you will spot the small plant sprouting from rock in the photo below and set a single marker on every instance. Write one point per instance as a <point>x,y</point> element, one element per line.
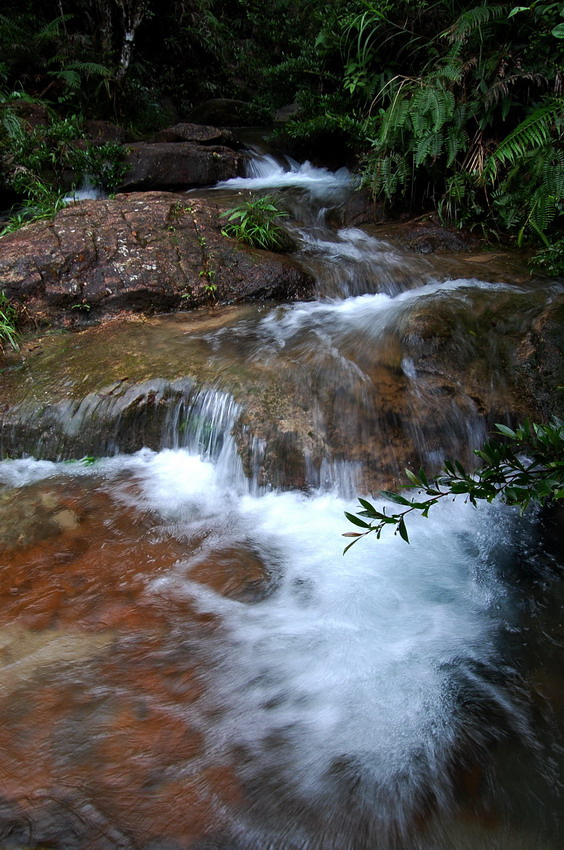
<point>526,467</point>
<point>254,223</point>
<point>210,286</point>
<point>8,318</point>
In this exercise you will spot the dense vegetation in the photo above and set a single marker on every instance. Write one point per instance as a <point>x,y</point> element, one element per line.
<point>446,105</point>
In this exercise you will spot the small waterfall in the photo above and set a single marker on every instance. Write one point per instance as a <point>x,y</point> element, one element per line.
<point>87,191</point>
<point>265,171</point>
<point>121,418</point>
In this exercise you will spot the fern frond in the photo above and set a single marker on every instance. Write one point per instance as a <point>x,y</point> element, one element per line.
<point>530,134</point>
<point>501,87</point>
<point>473,19</point>
<point>69,77</point>
<point>456,141</point>
<point>428,147</point>
<point>90,68</point>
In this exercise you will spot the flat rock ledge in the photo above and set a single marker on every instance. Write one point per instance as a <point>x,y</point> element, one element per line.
<point>143,252</point>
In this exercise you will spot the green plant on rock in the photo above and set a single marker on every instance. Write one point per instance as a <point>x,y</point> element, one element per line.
<point>525,466</point>
<point>254,223</point>
<point>8,319</point>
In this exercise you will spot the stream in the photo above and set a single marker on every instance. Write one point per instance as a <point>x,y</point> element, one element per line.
<point>188,662</point>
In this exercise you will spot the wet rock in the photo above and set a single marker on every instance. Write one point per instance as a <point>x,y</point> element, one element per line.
<point>201,134</point>
<point>161,165</point>
<point>429,237</point>
<point>33,114</point>
<point>102,694</point>
<point>237,573</point>
<point>360,208</point>
<point>143,252</point>
<point>286,113</point>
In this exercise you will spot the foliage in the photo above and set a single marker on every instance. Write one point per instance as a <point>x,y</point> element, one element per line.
<point>453,104</point>
<point>526,467</point>
<point>47,153</point>
<point>254,223</point>
<point>550,260</point>
<point>8,319</point>
<point>35,165</point>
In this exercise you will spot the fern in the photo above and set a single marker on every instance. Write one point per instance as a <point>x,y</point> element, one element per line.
<point>472,20</point>
<point>90,68</point>
<point>532,133</point>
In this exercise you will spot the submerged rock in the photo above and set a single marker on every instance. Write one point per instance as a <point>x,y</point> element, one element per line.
<point>143,252</point>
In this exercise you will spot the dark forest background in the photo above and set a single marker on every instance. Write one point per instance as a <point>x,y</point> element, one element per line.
<point>450,106</point>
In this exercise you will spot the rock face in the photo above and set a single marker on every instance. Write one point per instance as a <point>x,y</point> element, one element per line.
<point>162,165</point>
<point>142,252</point>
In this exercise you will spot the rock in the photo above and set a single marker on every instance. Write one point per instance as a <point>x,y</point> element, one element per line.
<point>34,114</point>
<point>161,165</point>
<point>142,252</point>
<point>359,208</point>
<point>202,134</point>
<point>538,366</point>
<point>104,131</point>
<point>225,112</point>
<point>286,113</point>
<point>428,237</point>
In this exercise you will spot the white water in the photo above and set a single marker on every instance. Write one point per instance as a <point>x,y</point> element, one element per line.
<point>266,172</point>
<point>86,192</point>
<point>354,669</point>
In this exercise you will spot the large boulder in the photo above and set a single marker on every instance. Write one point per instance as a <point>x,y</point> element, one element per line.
<point>161,165</point>
<point>143,252</point>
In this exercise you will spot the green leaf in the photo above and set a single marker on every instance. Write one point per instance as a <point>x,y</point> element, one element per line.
<point>517,9</point>
<point>558,31</point>
<point>356,520</point>
<point>403,530</point>
<point>412,477</point>
<point>507,432</point>
<point>395,497</point>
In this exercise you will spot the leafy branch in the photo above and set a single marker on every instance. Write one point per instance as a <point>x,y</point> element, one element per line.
<point>525,467</point>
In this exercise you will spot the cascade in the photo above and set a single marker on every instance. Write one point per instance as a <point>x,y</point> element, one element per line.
<point>189,661</point>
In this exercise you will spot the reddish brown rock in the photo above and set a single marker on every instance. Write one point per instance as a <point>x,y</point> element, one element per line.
<point>142,252</point>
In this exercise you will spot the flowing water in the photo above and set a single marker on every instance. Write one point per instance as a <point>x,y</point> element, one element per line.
<point>187,659</point>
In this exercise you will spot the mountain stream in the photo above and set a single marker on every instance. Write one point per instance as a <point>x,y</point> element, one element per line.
<point>188,662</point>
